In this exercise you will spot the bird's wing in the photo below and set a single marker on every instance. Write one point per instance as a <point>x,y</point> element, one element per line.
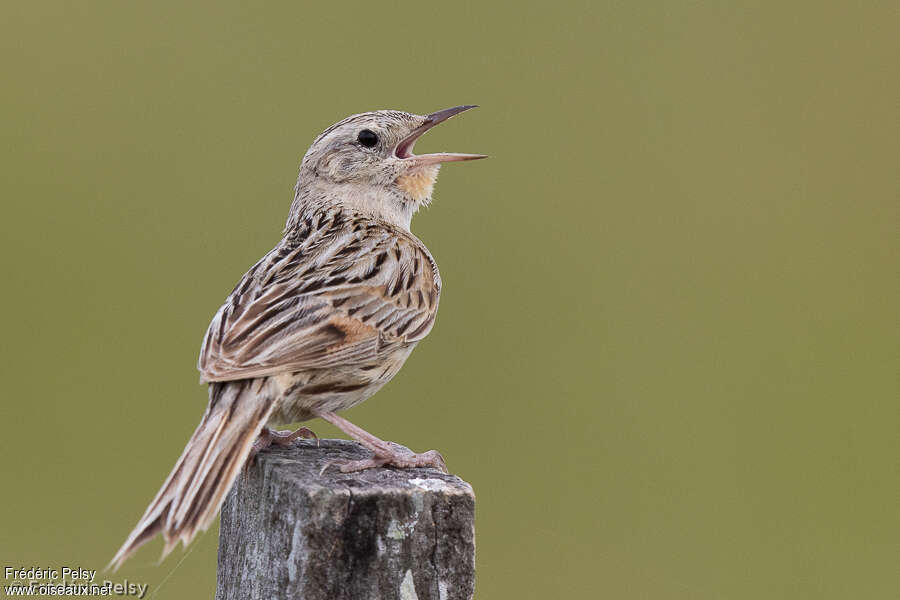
<point>338,293</point>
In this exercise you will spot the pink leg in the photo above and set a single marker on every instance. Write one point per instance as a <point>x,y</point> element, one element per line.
<point>385,452</point>
<point>268,437</point>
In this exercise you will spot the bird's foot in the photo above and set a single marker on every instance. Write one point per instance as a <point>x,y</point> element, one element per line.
<point>386,453</point>
<point>284,438</point>
<point>401,459</point>
<point>270,437</point>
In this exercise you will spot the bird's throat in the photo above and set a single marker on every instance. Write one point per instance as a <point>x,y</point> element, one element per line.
<point>419,184</point>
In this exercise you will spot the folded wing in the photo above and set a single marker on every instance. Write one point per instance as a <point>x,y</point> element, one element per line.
<point>338,292</point>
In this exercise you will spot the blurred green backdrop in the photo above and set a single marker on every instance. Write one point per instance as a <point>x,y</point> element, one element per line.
<point>667,351</point>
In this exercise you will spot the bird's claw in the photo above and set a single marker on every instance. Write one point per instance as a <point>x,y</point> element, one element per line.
<point>401,460</point>
<point>268,437</point>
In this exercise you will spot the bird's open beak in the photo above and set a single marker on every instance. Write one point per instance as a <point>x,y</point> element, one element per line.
<point>404,149</point>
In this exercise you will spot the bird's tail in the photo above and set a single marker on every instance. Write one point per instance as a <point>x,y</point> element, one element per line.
<point>191,496</point>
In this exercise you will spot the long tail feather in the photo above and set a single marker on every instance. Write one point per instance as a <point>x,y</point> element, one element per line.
<point>191,496</point>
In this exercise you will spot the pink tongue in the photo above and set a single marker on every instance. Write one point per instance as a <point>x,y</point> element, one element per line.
<point>404,150</point>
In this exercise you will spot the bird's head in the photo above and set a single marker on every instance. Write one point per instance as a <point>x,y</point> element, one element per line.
<point>366,162</point>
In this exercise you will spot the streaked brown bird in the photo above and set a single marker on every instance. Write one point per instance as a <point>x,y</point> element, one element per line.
<point>320,323</point>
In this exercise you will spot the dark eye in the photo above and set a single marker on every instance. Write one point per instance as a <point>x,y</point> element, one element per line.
<point>367,138</point>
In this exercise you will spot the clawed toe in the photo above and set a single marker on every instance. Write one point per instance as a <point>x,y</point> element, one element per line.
<point>432,458</point>
<point>401,460</point>
<point>351,466</point>
<point>268,437</point>
<point>284,438</point>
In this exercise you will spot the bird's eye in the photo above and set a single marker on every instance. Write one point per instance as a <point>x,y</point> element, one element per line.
<point>367,138</point>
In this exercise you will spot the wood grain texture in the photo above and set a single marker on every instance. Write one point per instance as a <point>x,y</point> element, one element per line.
<point>289,532</point>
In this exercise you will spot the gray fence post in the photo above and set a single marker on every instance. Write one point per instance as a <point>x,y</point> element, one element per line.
<point>290,531</point>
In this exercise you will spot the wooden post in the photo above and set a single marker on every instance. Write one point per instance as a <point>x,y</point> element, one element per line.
<point>289,532</point>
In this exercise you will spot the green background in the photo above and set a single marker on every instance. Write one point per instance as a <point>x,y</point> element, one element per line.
<point>667,350</point>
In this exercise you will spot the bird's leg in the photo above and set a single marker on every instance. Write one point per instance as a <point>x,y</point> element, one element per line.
<point>385,452</point>
<point>284,438</point>
<point>269,437</point>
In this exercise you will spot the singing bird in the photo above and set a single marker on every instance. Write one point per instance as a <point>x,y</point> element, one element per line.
<point>320,323</point>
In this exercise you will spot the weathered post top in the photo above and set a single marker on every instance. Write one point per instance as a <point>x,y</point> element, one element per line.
<point>291,531</point>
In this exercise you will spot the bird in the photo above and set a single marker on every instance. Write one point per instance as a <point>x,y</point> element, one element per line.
<point>320,323</point>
